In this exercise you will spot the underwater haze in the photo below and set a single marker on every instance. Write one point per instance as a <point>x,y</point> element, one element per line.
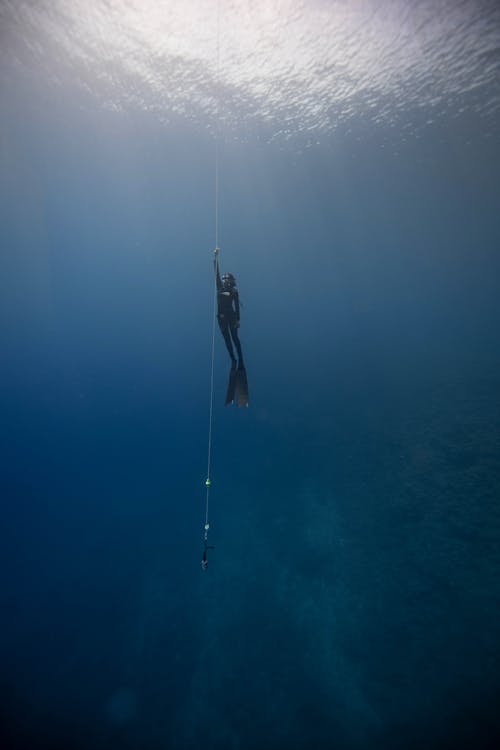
<point>352,599</point>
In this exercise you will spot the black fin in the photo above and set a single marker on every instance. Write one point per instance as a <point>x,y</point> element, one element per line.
<point>241,387</point>
<point>231,386</point>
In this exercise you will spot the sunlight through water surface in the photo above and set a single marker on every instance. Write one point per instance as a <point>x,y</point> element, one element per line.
<point>287,67</point>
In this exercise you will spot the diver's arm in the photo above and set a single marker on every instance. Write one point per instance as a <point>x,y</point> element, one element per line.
<point>217,274</point>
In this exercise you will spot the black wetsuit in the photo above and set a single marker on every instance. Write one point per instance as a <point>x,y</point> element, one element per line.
<point>228,316</point>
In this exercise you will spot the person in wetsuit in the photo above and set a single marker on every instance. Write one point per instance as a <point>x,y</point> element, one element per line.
<point>228,311</point>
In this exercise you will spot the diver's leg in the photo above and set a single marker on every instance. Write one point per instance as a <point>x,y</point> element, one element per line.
<point>241,384</point>
<point>224,329</point>
<point>235,337</point>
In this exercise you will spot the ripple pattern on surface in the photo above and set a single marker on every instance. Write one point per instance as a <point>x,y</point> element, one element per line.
<point>287,67</point>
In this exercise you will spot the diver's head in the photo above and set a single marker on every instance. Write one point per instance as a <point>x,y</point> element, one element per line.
<point>228,281</point>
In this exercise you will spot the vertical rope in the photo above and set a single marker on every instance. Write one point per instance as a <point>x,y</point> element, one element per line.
<point>216,222</point>
<point>210,420</point>
<point>217,129</point>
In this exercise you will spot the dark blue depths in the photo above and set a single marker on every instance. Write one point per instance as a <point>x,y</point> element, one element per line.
<point>352,599</point>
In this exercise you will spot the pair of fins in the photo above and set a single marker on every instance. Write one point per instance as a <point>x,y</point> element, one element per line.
<point>237,387</point>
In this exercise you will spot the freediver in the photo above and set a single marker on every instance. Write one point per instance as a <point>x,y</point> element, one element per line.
<point>228,317</point>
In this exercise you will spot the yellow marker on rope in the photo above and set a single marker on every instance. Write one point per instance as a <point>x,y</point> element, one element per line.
<point>207,483</point>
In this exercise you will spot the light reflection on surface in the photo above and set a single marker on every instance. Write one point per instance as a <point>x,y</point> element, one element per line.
<point>286,65</point>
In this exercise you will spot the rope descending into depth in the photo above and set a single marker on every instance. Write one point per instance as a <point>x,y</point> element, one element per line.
<point>211,411</point>
<point>214,313</point>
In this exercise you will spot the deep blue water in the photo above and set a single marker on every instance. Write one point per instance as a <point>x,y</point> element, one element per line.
<point>352,600</point>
